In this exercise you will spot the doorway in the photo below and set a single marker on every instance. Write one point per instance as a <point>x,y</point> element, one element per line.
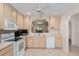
<point>73,34</point>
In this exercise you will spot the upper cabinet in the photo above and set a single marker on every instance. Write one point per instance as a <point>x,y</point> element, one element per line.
<point>20,18</point>
<point>54,22</point>
<point>14,14</point>
<point>1,15</point>
<point>26,22</point>
<point>1,11</point>
<point>7,17</point>
<point>7,11</point>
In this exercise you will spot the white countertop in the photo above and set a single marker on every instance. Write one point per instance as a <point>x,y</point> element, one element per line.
<point>5,44</point>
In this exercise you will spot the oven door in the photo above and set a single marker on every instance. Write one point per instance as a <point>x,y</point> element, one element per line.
<point>21,47</point>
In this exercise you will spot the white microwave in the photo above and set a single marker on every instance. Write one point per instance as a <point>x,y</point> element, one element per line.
<point>10,25</point>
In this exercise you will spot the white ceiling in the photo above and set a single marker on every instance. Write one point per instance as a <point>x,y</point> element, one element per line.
<point>47,8</point>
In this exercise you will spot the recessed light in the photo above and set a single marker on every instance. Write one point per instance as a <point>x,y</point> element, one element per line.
<point>28,13</point>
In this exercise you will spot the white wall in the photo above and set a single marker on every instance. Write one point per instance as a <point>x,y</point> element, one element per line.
<point>64,32</point>
<point>64,27</point>
<point>75,31</point>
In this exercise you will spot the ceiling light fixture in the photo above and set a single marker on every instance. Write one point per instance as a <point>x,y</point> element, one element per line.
<point>40,13</point>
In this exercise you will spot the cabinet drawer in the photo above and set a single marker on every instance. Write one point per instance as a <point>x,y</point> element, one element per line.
<point>5,50</point>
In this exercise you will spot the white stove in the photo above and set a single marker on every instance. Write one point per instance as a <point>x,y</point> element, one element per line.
<point>19,43</point>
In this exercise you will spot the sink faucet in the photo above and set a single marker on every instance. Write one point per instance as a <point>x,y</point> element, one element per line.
<point>37,34</point>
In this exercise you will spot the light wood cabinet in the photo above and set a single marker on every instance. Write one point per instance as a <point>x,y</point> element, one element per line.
<point>7,51</point>
<point>59,41</point>
<point>1,11</point>
<point>5,13</point>
<point>20,20</point>
<point>8,11</point>
<point>30,42</point>
<point>14,14</point>
<point>41,41</point>
<point>54,22</point>
<point>1,15</point>
<point>26,22</point>
<point>35,42</point>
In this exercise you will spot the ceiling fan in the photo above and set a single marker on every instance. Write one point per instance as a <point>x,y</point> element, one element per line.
<point>38,10</point>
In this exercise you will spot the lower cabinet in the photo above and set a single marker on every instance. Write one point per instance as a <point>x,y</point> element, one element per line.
<point>35,42</point>
<point>7,51</point>
<point>44,42</point>
<point>59,41</point>
<point>30,41</point>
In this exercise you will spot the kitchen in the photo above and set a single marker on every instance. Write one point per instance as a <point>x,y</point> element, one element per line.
<point>20,33</point>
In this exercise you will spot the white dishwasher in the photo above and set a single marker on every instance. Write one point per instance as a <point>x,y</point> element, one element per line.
<point>50,42</point>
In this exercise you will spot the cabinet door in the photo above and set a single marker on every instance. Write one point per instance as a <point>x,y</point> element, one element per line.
<point>55,22</point>
<point>20,20</point>
<point>41,42</point>
<point>1,15</point>
<point>1,11</point>
<point>7,51</point>
<point>30,42</point>
<point>35,42</point>
<point>14,16</point>
<point>8,11</point>
<point>26,22</point>
<point>59,41</point>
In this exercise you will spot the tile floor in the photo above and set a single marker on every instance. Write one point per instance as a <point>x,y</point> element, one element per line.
<point>45,52</point>
<point>52,52</point>
<point>74,51</point>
